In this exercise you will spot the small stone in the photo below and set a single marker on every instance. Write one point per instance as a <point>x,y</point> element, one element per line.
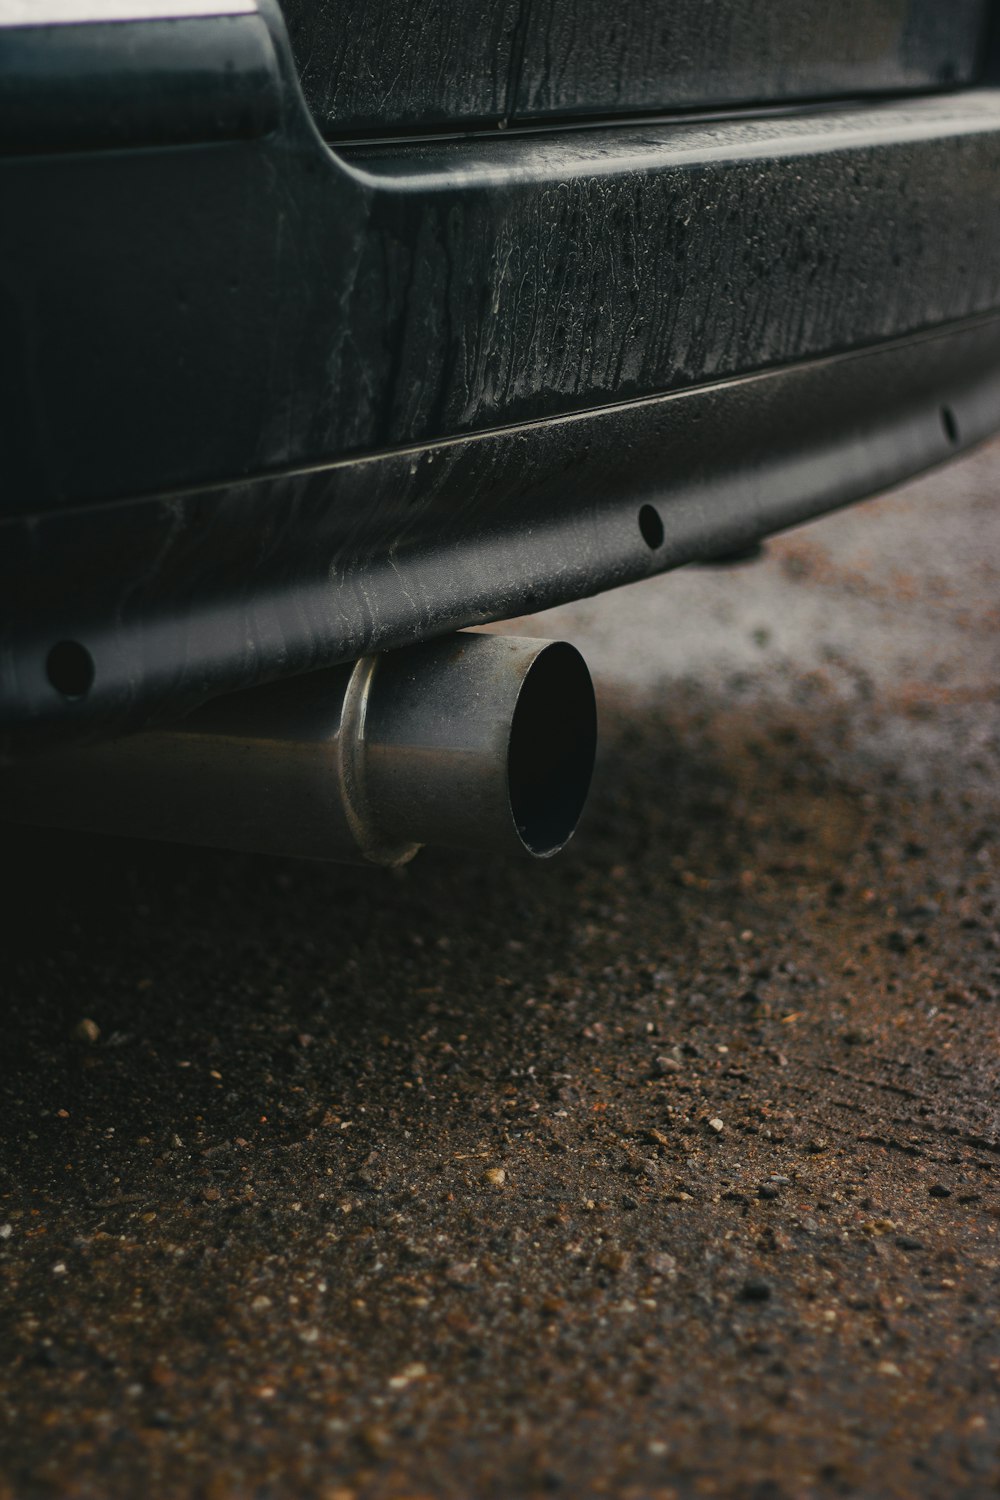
<point>613,1259</point>
<point>409,1373</point>
<point>260,1304</point>
<point>6,1230</point>
<point>460,1273</point>
<point>716,1125</point>
<point>907,1242</point>
<point>938,1190</point>
<point>59,1269</point>
<point>755,1290</point>
<point>768,1190</point>
<point>662,1264</point>
<point>495,1176</point>
<point>211,1195</point>
<point>662,1065</point>
<point>888,1369</point>
<point>375,1440</point>
<point>87,1030</point>
<point>923,909</point>
<point>817,1146</point>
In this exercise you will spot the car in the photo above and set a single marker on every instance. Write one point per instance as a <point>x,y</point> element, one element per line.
<point>333,330</point>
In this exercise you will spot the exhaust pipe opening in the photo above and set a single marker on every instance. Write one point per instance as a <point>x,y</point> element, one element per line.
<point>550,753</point>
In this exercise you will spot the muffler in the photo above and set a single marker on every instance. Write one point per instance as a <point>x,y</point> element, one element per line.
<point>474,741</point>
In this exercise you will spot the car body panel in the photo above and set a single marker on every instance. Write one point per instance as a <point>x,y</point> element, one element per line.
<point>269,402</point>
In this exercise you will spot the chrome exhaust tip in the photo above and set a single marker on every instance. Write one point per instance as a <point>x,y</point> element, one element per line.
<point>481,742</point>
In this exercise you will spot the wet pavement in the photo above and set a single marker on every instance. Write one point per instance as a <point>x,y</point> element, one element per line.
<point>669,1168</point>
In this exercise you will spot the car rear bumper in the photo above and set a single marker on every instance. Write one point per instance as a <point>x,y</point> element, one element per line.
<point>269,404</point>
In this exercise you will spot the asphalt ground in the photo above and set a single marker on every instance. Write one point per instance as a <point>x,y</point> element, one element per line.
<point>667,1168</point>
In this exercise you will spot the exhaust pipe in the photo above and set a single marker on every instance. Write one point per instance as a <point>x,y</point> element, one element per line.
<point>481,742</point>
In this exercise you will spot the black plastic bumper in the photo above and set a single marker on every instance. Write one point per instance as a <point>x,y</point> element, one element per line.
<point>266,404</point>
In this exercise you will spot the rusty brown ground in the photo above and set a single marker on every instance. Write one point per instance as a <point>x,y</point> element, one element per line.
<point>671,1168</point>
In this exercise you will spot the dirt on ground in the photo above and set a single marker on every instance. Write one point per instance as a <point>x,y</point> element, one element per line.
<point>667,1168</point>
